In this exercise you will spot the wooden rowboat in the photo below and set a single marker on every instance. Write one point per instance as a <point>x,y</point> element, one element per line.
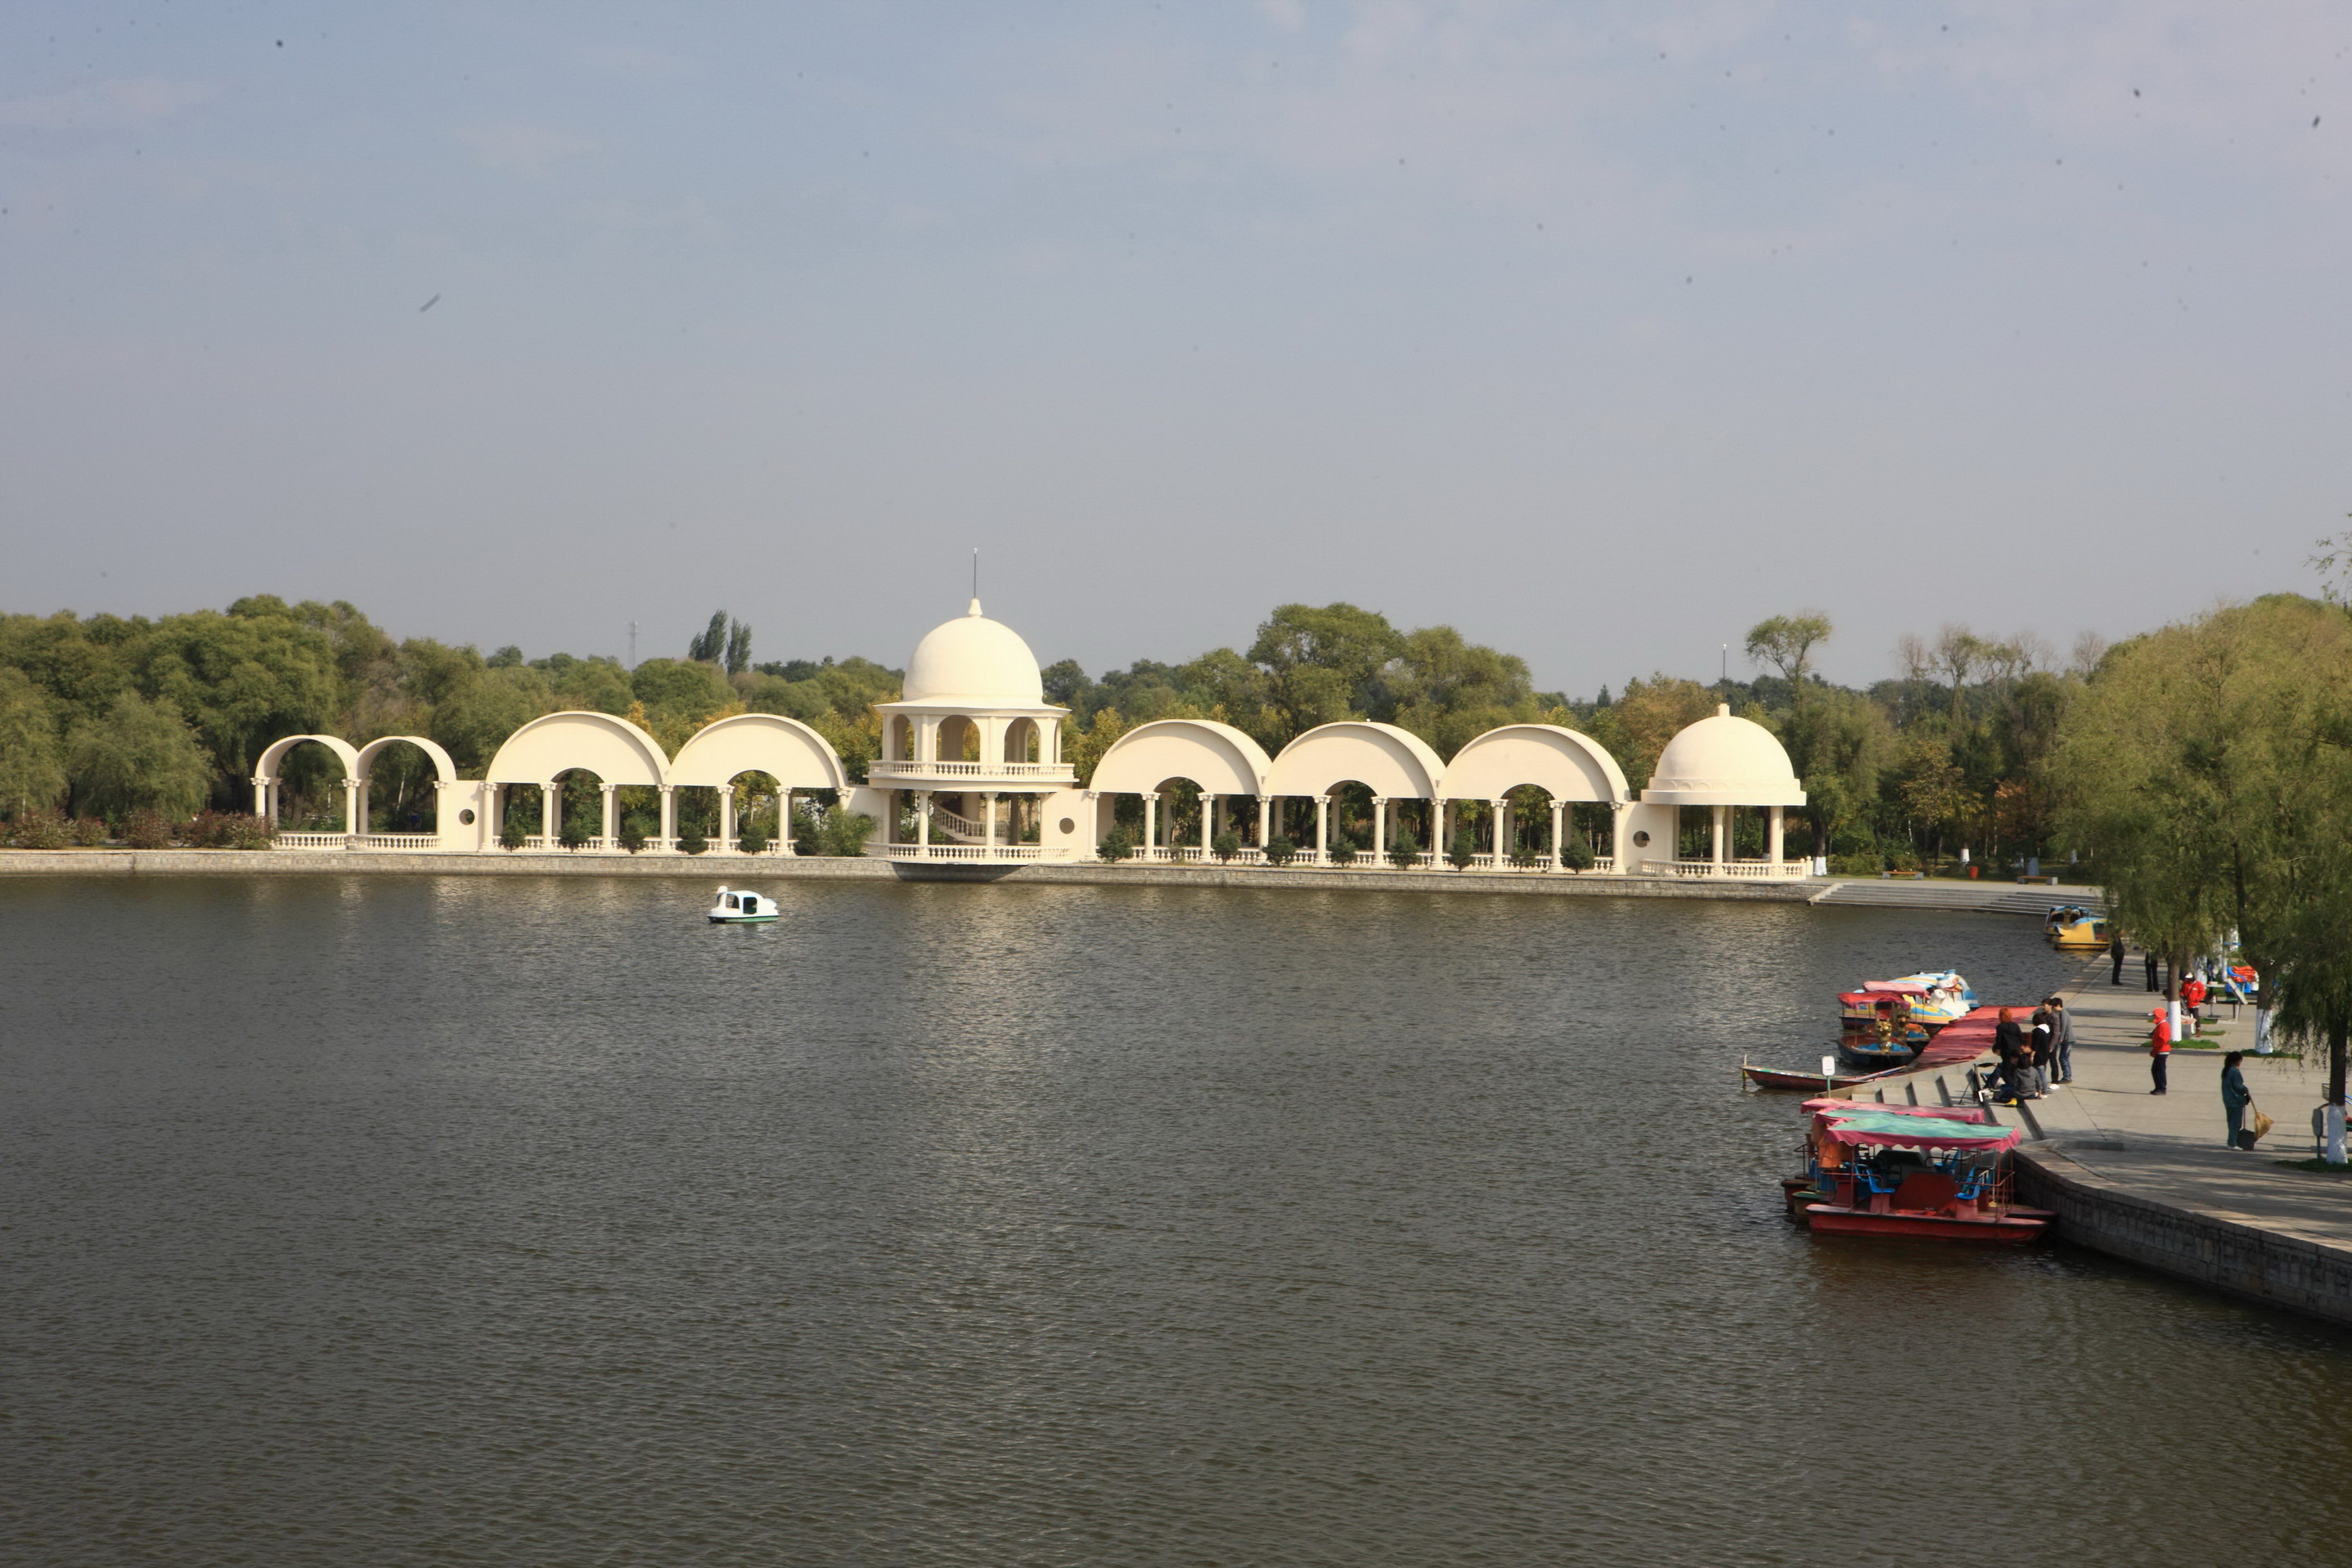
<point>1808,1082</point>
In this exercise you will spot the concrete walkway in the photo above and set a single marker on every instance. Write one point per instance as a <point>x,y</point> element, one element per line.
<point>1945,893</point>
<point>2170,1145</point>
<point>2147,1176</point>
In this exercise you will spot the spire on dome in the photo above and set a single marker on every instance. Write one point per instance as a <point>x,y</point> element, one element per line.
<point>975,608</point>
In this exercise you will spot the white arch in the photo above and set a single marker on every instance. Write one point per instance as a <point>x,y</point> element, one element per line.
<point>1395,763</point>
<point>445,768</point>
<point>1564,764</point>
<point>265,771</point>
<point>792,753</point>
<point>1218,757</point>
<point>614,749</point>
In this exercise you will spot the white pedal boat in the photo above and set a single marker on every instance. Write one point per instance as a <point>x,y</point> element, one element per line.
<point>739,908</point>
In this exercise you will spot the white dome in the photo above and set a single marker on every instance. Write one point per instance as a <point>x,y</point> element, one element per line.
<point>974,662</point>
<point>1723,761</point>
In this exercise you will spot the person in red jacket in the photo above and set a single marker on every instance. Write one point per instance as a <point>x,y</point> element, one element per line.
<point>2193,997</point>
<point>2159,1047</point>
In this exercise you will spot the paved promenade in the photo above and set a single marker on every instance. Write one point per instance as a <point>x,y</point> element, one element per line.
<point>2147,1176</point>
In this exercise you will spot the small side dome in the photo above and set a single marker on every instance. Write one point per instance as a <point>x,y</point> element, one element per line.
<point>974,662</point>
<point>1723,761</point>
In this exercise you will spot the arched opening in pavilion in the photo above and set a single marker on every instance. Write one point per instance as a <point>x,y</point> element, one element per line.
<point>308,787</point>
<point>1176,784</point>
<point>401,779</point>
<point>582,804</point>
<point>570,767</point>
<point>1520,793</point>
<point>1390,767</point>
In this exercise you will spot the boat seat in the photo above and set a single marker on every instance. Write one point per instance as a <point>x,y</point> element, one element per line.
<point>1925,1190</point>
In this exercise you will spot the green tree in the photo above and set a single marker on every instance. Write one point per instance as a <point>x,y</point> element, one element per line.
<point>1322,662</point>
<point>137,757</point>
<point>241,680</point>
<point>1650,714</point>
<point>2198,769</point>
<point>32,770</point>
<point>477,717</point>
<point>593,686</point>
<point>1787,644</point>
<point>709,645</point>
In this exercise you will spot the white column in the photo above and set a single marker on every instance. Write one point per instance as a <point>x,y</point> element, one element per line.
<point>988,822</point>
<point>784,824</point>
<point>669,816</point>
<point>1208,823</point>
<point>1322,830</point>
<point>612,821</point>
<point>351,806</point>
<point>261,796</point>
<point>1558,820</point>
<point>727,815</point>
<point>923,823</point>
<point>551,802</point>
<point>1720,812</point>
<point>1264,820</point>
<point>1502,826</point>
<point>1774,852</point>
<point>1440,810</point>
<point>1379,830</point>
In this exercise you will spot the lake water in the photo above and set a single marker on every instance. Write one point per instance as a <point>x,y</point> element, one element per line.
<point>534,1220</point>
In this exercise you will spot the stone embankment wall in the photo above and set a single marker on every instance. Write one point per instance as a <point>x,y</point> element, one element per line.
<point>749,868</point>
<point>2258,1262</point>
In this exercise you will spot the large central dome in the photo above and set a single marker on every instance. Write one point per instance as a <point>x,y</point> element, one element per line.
<point>974,662</point>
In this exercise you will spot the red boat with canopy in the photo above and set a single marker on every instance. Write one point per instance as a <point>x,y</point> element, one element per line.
<point>1911,1171</point>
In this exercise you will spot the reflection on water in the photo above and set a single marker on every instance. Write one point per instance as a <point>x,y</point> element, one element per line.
<point>535,1220</point>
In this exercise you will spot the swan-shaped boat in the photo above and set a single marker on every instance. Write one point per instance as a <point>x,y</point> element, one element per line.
<point>737,907</point>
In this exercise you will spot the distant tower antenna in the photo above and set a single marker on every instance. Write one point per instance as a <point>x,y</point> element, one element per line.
<point>975,572</point>
<point>633,644</point>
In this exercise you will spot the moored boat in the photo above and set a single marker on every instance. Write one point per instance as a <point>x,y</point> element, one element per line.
<point>1808,1082</point>
<point>2074,929</point>
<point>1913,1171</point>
<point>1875,1029</point>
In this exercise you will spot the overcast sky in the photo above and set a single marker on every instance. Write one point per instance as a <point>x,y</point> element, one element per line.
<point>1598,332</point>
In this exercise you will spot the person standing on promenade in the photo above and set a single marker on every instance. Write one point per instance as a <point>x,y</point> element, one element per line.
<point>2063,1038</point>
<point>2016,1057</point>
<point>2044,1043</point>
<point>2159,1047</point>
<point>2192,996</point>
<point>2151,956</point>
<point>2235,1097</point>
<point>2116,955</point>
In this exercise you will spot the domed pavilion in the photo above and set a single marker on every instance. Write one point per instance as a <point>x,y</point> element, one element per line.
<point>1724,765</point>
<point>970,750</point>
